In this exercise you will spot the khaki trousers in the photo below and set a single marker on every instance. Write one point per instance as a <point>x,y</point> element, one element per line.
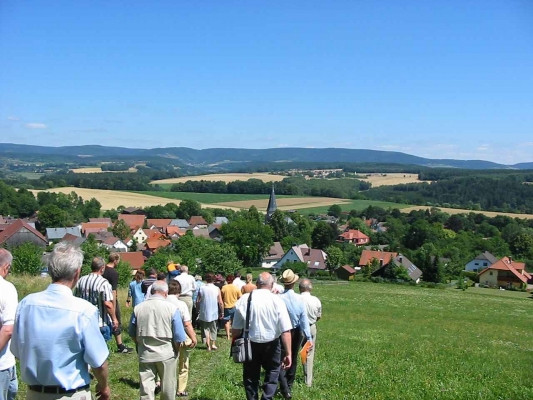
<point>187,300</point>
<point>308,366</point>
<point>166,370</point>
<point>183,366</point>
<point>81,395</point>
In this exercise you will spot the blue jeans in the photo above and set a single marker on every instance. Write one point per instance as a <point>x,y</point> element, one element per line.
<point>8,384</point>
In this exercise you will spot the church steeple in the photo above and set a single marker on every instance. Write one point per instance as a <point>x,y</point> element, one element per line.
<point>272,206</point>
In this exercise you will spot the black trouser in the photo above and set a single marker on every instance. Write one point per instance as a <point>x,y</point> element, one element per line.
<point>268,356</point>
<point>286,376</point>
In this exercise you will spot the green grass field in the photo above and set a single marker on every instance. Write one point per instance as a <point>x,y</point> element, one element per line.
<point>211,198</point>
<point>381,341</point>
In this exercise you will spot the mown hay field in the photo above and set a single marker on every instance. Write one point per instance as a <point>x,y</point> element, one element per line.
<point>223,177</point>
<point>379,341</point>
<point>464,211</point>
<point>387,179</point>
<point>97,170</point>
<point>286,203</point>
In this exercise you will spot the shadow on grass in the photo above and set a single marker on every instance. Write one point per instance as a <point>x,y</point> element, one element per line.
<point>130,382</point>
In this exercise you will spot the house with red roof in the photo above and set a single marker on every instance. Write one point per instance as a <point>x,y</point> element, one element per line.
<point>132,220</point>
<point>174,232</point>
<point>275,254</point>
<point>354,236</point>
<point>197,222</point>
<point>505,273</point>
<point>382,257</point>
<point>158,223</point>
<point>155,244</point>
<point>88,228</point>
<point>19,232</point>
<point>134,258</point>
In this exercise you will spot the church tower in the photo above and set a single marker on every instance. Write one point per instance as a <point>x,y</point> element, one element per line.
<point>272,206</point>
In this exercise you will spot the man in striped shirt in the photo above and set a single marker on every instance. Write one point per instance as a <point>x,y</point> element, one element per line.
<point>97,291</point>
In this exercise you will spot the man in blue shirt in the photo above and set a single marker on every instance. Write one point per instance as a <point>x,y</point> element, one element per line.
<point>57,337</point>
<point>300,328</point>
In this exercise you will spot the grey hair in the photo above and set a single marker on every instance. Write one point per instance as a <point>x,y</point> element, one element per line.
<point>184,268</point>
<point>64,261</point>
<point>265,280</point>
<point>97,263</point>
<point>5,257</point>
<point>305,285</point>
<point>159,286</point>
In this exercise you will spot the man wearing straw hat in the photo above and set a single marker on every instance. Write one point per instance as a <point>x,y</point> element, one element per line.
<point>300,326</point>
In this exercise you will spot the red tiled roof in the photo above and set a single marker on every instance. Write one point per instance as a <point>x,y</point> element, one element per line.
<point>133,221</point>
<point>175,230</point>
<point>134,258</point>
<point>197,220</point>
<point>354,234</point>
<point>505,264</point>
<point>103,221</point>
<point>159,222</point>
<point>93,227</point>
<point>349,269</point>
<point>17,226</point>
<point>368,255</point>
<point>154,244</point>
<point>152,233</point>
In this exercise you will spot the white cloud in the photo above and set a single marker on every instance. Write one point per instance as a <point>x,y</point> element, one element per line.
<point>35,125</point>
<point>483,147</point>
<point>11,118</point>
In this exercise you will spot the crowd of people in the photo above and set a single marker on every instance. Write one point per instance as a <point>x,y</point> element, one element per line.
<point>76,315</point>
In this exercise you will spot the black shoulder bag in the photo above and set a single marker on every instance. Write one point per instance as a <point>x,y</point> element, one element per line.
<point>241,349</point>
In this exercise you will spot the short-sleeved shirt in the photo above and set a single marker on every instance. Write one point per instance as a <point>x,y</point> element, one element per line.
<point>230,295</point>
<point>56,337</point>
<point>297,311</point>
<point>182,308</point>
<point>96,290</point>
<point>135,292</point>
<point>187,283</point>
<point>111,275</point>
<point>8,308</point>
<point>268,316</point>
<point>208,303</point>
<point>312,306</point>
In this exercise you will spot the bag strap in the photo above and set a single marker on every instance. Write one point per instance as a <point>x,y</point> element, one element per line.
<point>247,325</point>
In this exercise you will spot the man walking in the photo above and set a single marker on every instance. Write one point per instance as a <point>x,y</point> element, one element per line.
<point>188,286</point>
<point>111,274</point>
<point>97,291</point>
<point>157,328</point>
<point>269,321</point>
<point>210,306</point>
<point>8,308</point>
<point>56,336</point>
<point>314,313</point>
<point>300,326</point>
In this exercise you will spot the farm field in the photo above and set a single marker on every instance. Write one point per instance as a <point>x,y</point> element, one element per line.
<point>96,170</point>
<point>380,179</point>
<point>461,211</point>
<point>223,177</point>
<point>379,341</point>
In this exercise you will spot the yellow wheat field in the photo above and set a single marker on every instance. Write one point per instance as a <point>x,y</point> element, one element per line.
<point>381,179</point>
<point>224,178</point>
<point>112,198</point>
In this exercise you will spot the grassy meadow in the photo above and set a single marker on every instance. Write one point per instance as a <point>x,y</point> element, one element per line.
<point>381,341</point>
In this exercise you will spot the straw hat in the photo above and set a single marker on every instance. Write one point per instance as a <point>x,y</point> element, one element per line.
<point>288,277</point>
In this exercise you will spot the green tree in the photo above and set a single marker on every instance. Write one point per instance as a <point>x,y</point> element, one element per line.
<point>27,259</point>
<point>188,208</point>
<point>91,249</point>
<point>335,210</point>
<point>250,238</point>
<point>324,235</point>
<point>52,216</point>
<point>121,229</point>
<point>279,225</point>
<point>334,258</point>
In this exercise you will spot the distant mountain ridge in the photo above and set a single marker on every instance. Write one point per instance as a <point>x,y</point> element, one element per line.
<point>235,155</point>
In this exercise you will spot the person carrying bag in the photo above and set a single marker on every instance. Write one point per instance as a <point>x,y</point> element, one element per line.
<point>241,348</point>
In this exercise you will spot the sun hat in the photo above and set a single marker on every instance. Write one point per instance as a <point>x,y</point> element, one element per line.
<point>288,277</point>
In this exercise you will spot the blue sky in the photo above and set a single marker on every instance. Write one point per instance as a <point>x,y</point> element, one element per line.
<point>438,79</point>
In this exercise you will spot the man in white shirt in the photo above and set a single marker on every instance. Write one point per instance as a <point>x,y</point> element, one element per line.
<point>188,286</point>
<point>269,320</point>
<point>238,281</point>
<point>8,308</point>
<point>314,313</point>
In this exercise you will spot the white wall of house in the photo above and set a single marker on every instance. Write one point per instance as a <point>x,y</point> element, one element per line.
<point>489,278</point>
<point>140,236</point>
